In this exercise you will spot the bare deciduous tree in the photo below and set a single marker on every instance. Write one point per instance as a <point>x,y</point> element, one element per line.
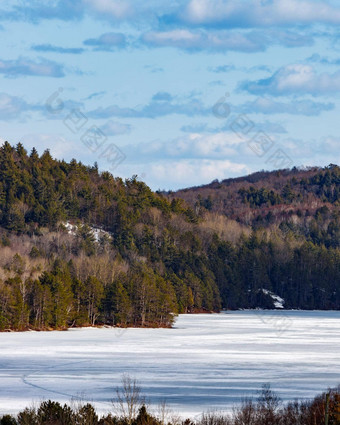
<point>163,413</point>
<point>129,399</point>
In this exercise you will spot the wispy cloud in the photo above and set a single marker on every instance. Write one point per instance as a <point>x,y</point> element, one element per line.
<point>12,107</point>
<point>228,68</point>
<point>316,58</point>
<point>203,129</point>
<point>107,42</point>
<point>216,83</point>
<point>27,67</point>
<point>154,69</point>
<point>197,128</point>
<point>197,40</point>
<point>222,40</point>
<point>161,104</point>
<point>317,151</point>
<point>267,106</point>
<point>271,127</point>
<point>45,48</point>
<point>114,128</point>
<point>95,95</point>
<point>295,79</point>
<point>222,68</point>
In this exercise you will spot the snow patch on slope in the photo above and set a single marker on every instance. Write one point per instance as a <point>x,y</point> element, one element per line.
<point>97,232</point>
<point>277,301</point>
<point>71,229</point>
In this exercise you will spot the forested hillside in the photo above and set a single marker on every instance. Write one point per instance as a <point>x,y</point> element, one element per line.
<point>278,198</point>
<point>81,247</point>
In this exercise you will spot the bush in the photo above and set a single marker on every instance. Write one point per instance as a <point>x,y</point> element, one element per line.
<point>265,410</point>
<point>8,420</point>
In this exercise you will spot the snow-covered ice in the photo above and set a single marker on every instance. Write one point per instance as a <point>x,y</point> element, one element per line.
<point>205,361</point>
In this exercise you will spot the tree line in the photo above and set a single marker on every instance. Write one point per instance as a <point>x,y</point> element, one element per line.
<point>266,409</point>
<point>82,247</point>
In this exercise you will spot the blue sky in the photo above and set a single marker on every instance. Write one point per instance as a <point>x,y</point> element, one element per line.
<point>179,93</point>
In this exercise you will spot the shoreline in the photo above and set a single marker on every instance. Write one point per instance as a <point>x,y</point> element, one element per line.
<point>195,313</point>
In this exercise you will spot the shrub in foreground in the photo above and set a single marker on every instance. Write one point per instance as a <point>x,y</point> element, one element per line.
<point>267,409</point>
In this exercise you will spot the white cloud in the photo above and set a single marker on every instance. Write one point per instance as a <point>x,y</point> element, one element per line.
<point>25,66</point>
<point>321,151</point>
<point>111,8</point>
<point>236,13</point>
<point>11,107</point>
<point>191,172</point>
<point>107,41</point>
<point>205,13</point>
<point>331,145</point>
<point>161,104</point>
<point>295,79</point>
<point>59,146</point>
<point>221,145</point>
<point>174,37</point>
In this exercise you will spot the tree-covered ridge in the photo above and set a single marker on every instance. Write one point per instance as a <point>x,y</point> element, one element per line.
<point>42,191</point>
<point>131,275</point>
<point>80,247</point>
<point>305,202</point>
<point>296,187</point>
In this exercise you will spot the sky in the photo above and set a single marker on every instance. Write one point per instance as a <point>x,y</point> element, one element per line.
<point>178,93</point>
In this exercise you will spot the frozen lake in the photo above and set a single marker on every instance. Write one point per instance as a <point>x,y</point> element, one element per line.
<point>206,361</point>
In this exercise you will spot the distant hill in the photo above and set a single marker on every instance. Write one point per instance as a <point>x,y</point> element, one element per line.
<point>80,247</point>
<point>267,198</point>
